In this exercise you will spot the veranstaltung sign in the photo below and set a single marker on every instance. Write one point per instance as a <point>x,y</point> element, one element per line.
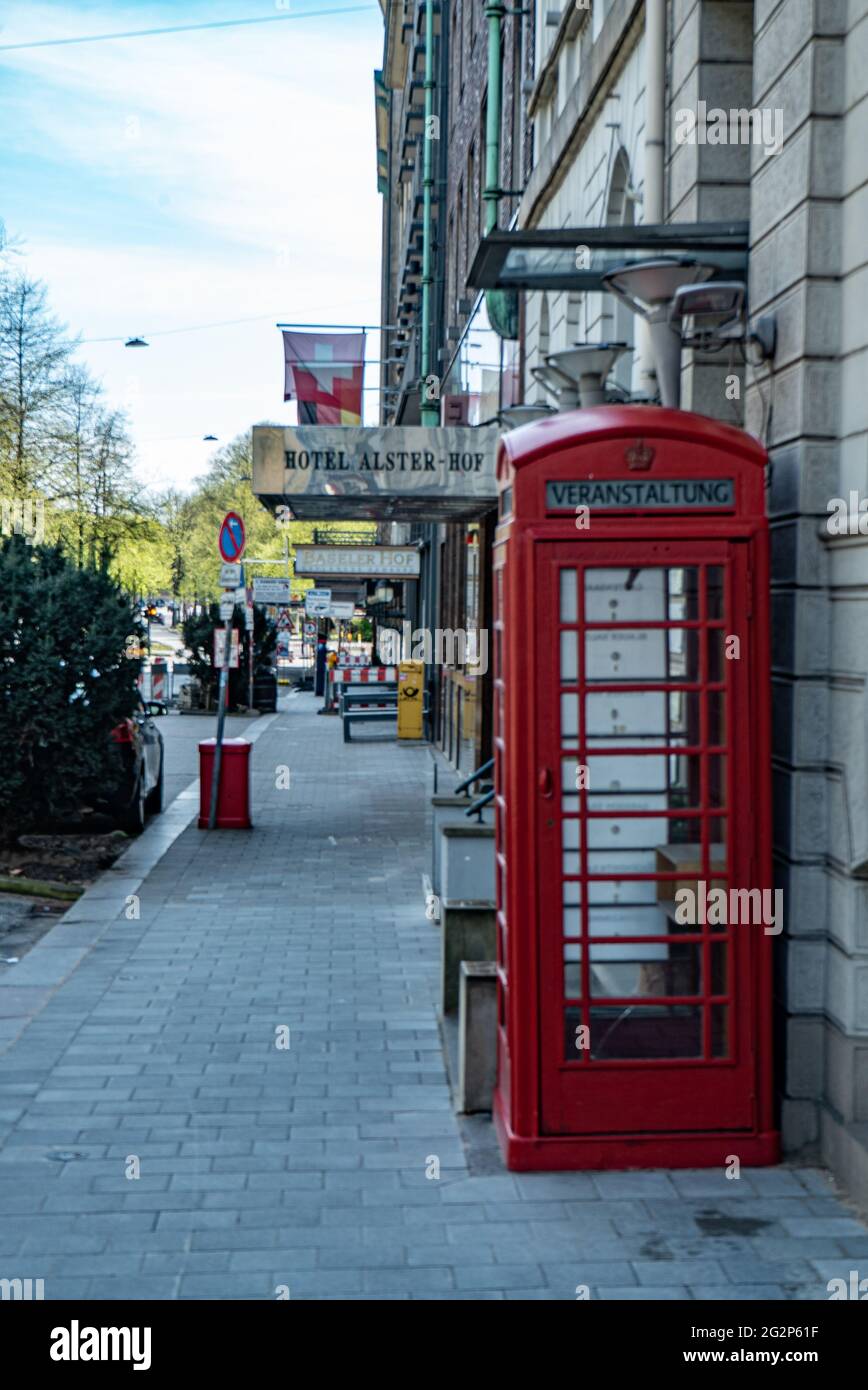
<point>387,472</point>
<point>641,494</point>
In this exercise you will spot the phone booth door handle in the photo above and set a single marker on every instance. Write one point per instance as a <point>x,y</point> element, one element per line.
<point>545,782</point>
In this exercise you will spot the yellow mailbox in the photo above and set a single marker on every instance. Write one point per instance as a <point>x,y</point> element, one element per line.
<point>411,698</point>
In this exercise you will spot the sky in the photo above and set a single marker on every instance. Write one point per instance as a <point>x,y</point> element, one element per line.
<point>161,183</point>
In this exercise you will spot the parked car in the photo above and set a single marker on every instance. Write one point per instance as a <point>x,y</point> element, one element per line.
<point>139,743</point>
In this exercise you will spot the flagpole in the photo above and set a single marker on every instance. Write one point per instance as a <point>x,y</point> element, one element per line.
<point>355,327</point>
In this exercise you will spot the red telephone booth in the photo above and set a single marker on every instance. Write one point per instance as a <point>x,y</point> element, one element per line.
<point>632,752</point>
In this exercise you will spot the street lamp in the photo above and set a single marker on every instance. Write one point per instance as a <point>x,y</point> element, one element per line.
<point>647,287</point>
<point>136,343</point>
<point>555,383</point>
<point>514,415</point>
<point>588,364</point>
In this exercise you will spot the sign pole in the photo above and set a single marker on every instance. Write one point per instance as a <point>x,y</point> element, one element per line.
<point>326,687</point>
<point>231,540</point>
<point>221,719</point>
<point>250,668</point>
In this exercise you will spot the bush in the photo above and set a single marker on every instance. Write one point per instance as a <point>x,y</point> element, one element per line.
<point>199,639</point>
<point>65,682</point>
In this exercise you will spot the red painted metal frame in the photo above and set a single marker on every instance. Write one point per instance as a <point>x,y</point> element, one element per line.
<point>596,444</point>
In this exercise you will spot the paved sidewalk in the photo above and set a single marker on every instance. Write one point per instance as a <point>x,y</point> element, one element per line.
<point>304,1166</point>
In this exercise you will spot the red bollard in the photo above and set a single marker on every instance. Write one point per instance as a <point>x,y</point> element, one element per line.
<point>233,803</point>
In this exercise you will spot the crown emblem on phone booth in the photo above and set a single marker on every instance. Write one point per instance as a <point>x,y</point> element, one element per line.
<point>639,455</point>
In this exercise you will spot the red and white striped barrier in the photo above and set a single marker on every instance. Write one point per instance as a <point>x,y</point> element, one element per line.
<point>360,675</point>
<point>159,673</point>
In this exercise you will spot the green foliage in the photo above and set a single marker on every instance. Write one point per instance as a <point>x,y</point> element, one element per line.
<point>189,527</point>
<point>199,638</point>
<point>60,445</point>
<point>65,681</point>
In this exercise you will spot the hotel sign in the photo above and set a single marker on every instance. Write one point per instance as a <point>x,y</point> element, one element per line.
<point>645,494</point>
<point>387,472</point>
<point>362,562</point>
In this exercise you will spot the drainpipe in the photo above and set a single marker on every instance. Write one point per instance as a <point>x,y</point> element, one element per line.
<point>655,147</point>
<point>429,411</point>
<point>494,11</point>
<point>502,305</point>
<point>386,299</point>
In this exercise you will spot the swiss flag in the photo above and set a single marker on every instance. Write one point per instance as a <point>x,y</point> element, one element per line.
<point>325,374</point>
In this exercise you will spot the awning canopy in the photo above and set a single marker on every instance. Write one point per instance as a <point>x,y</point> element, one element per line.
<point>576,258</point>
<point>376,473</point>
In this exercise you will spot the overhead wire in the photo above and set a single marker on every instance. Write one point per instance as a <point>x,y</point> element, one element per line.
<point>182,28</point>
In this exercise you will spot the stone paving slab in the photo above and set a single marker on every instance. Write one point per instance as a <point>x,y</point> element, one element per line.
<point>261,1046</point>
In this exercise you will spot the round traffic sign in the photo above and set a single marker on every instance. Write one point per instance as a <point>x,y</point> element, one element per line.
<point>232,538</point>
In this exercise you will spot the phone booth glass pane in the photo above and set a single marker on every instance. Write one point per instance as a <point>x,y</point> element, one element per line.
<point>638,714</point>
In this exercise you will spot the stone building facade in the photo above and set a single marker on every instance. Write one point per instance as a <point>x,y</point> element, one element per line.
<point>455,588</point>
<point>803,63</point>
<point>802,66</point>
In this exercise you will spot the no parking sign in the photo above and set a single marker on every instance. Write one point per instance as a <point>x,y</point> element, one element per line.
<point>232,538</point>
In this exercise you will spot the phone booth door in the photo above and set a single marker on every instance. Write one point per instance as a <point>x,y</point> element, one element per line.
<point>646,1019</point>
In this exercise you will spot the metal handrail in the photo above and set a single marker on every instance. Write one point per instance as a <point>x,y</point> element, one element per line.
<point>474,777</point>
<point>479,806</point>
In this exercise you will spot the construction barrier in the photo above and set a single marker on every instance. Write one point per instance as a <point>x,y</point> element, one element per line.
<point>358,675</point>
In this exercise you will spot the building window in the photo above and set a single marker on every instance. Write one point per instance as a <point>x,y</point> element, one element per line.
<point>620,212</point>
<point>515,175</point>
<point>483,160</point>
<point>459,241</point>
<point>452,269</point>
<point>598,17</point>
<point>542,346</point>
<point>453,90</point>
<point>472,197</point>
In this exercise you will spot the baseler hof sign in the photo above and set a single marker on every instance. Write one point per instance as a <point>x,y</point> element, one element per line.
<point>386,472</point>
<point>364,562</point>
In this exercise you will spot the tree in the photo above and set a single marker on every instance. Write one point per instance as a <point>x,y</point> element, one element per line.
<point>114,512</point>
<point>175,513</point>
<point>199,639</point>
<point>65,682</point>
<point>33,354</point>
<point>227,486</point>
<point>74,449</point>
